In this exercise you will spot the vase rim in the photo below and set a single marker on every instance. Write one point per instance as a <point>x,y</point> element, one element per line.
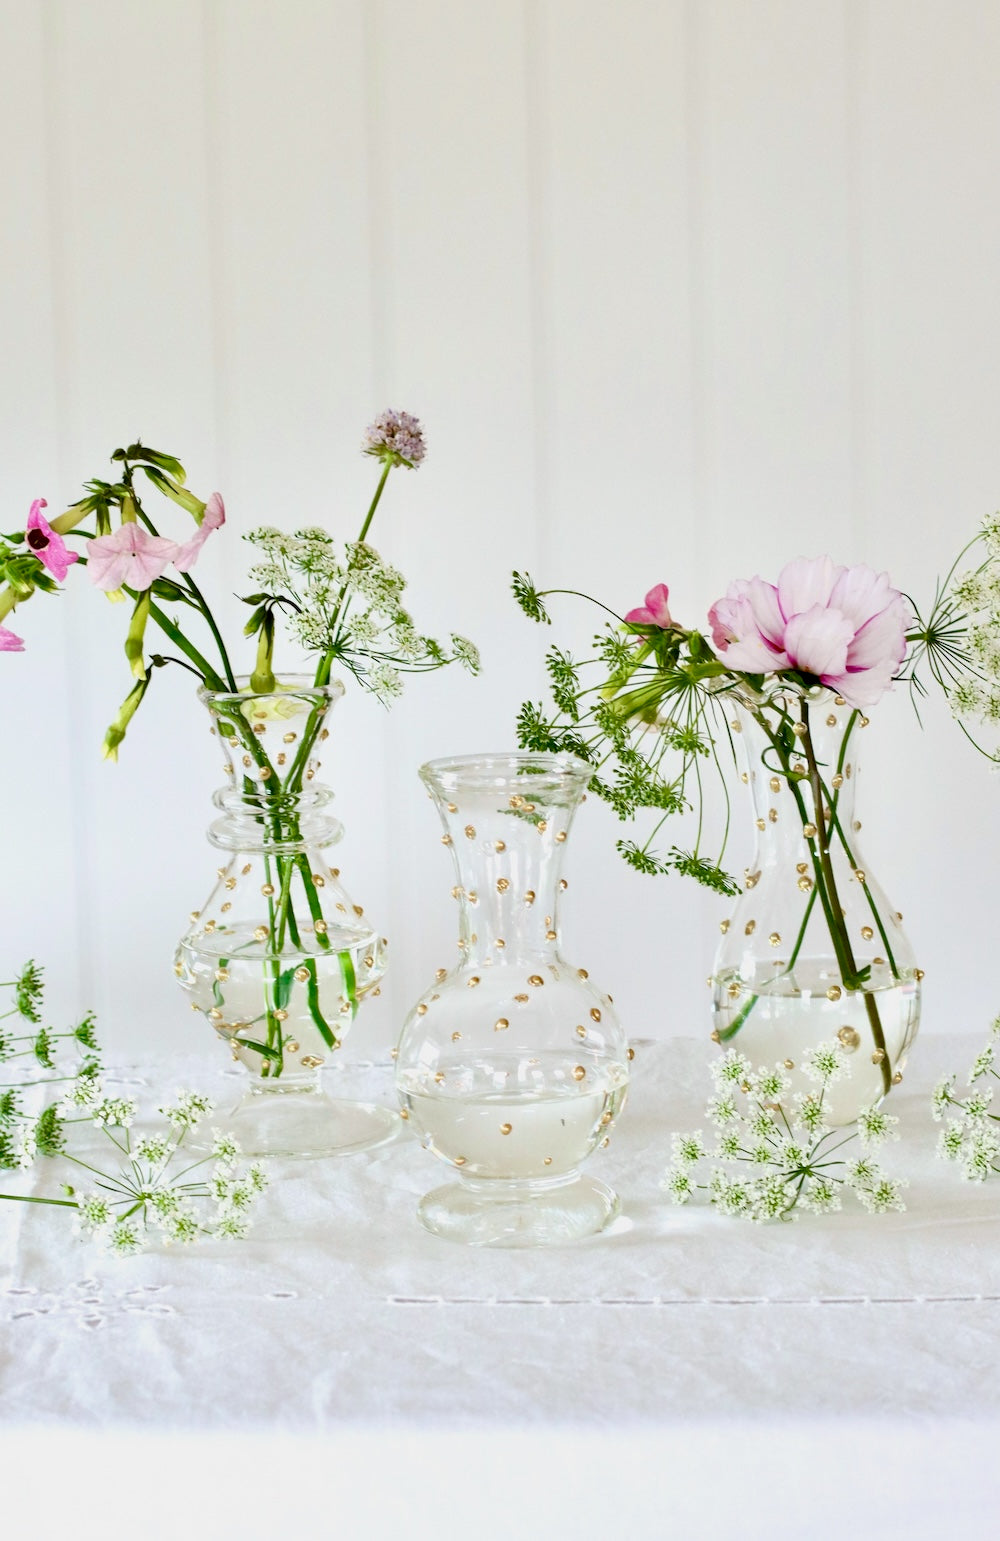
<point>287,685</point>
<point>504,768</point>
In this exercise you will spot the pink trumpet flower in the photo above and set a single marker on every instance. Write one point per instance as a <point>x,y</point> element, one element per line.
<point>131,556</point>
<point>212,519</point>
<point>654,612</point>
<point>9,643</point>
<point>50,548</point>
<point>845,625</point>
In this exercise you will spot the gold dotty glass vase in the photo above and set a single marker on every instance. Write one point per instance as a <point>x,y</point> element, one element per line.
<point>278,957</point>
<point>512,1067</point>
<point>814,952</point>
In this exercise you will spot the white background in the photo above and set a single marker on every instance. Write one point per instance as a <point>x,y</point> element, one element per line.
<point>680,288</point>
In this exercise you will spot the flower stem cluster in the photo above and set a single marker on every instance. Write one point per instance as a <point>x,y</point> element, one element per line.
<point>971,1136</point>
<point>150,1188</point>
<point>774,1154</point>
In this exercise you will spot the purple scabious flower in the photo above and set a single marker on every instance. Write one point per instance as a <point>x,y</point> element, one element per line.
<point>396,437</point>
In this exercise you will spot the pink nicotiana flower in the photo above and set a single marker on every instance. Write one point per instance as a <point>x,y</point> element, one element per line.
<point>845,625</point>
<point>654,612</point>
<point>213,518</point>
<point>9,643</point>
<point>50,548</point>
<point>130,556</point>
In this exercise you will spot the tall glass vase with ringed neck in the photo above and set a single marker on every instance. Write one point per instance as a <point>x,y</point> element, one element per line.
<point>512,1066</point>
<point>814,950</point>
<point>278,958</point>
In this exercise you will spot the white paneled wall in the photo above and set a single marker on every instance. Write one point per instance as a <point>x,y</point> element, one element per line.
<point>681,288</point>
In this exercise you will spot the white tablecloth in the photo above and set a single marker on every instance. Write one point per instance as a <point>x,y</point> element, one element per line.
<point>684,1375</point>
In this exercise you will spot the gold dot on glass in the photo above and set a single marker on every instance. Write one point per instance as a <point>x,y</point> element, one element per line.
<point>878,963</point>
<point>452,807</point>
<point>230,883</point>
<point>751,879</point>
<point>359,910</point>
<point>195,915</point>
<point>595,1015</point>
<point>918,974</point>
<point>861,877</point>
<point>581,973</point>
<point>421,1010</point>
<point>723,926</point>
<point>459,1160</point>
<point>501,1025</point>
<point>775,939</point>
<point>246,870</point>
<point>506,1128</point>
<point>867,933</point>
<point>563,885</point>
<point>541,826</point>
<point>226,906</point>
<point>605,1143</point>
<point>215,1014</point>
<point>760,824</point>
<point>774,784</point>
<point>899,916</point>
<point>750,928</point>
<point>581,1032</point>
<point>521,998</point>
<point>802,866</point>
<point>210,925</point>
<point>847,772</point>
<point>578,1072</point>
<point>222,974</point>
<point>772,814</point>
<point>744,777</point>
<point>736,725</point>
<point>441,973</point>
<point>536,980</point>
<point>831,721</point>
<point>551,936</point>
<point>899,1074</point>
<point>809,830</point>
<point>455,1037</point>
<point>561,836</point>
<point>856,825</point>
<point>837,781</point>
<point>606,1119</point>
<point>267,889</point>
<point>265,774</point>
<point>864,723</point>
<point>247,760</point>
<point>799,729</point>
<point>301,974</point>
<point>800,769</point>
<point>470,832</point>
<point>446,840</point>
<point>404,1113</point>
<point>260,934</point>
<point>472,896</point>
<point>439,1077</point>
<point>805,883</point>
<point>789,1064</point>
<point>502,885</point>
<point>547,1161</point>
<point>834,993</point>
<point>289,738</point>
<point>320,927</point>
<point>319,880</point>
<point>500,943</point>
<point>471,983</point>
<point>848,1037</point>
<point>878,1056</point>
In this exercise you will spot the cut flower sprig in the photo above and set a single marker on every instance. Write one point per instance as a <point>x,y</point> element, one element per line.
<point>971,1136</point>
<point>774,1155</point>
<point>151,1189</point>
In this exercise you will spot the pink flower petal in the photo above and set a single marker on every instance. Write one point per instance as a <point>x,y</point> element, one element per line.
<point>212,519</point>
<point>9,643</point>
<point>817,640</point>
<point>50,548</point>
<point>130,557</point>
<point>860,592</point>
<point>656,604</point>
<point>806,582</point>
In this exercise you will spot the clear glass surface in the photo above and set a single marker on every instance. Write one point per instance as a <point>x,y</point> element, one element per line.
<point>785,980</point>
<point>512,1067</point>
<point>279,957</point>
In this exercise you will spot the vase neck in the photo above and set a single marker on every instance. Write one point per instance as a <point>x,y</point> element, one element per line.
<point>798,780</point>
<point>507,837</point>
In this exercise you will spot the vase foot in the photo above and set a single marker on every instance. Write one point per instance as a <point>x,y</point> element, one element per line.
<point>309,1125</point>
<point>521,1215</point>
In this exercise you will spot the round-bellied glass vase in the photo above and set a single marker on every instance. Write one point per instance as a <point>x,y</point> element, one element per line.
<point>813,952</point>
<point>278,957</point>
<point>512,1067</point>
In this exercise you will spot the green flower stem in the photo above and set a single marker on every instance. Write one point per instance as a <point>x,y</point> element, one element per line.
<point>30,1198</point>
<point>838,930</point>
<point>210,620</point>
<point>325,664</point>
<point>213,680</point>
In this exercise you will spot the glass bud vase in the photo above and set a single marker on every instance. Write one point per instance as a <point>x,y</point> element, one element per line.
<point>512,1066</point>
<point>813,952</point>
<point>278,958</point>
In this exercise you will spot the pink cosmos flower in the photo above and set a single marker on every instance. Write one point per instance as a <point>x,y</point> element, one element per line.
<point>130,556</point>
<point>9,643</point>
<point>845,625</point>
<point>212,519</point>
<point>654,612</point>
<point>50,548</point>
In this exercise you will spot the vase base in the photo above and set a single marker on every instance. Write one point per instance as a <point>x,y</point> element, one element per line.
<point>308,1125</point>
<point>522,1215</point>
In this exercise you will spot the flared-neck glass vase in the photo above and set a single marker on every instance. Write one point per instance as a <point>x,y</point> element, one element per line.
<point>512,1067</point>
<point>814,952</point>
<point>278,958</point>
